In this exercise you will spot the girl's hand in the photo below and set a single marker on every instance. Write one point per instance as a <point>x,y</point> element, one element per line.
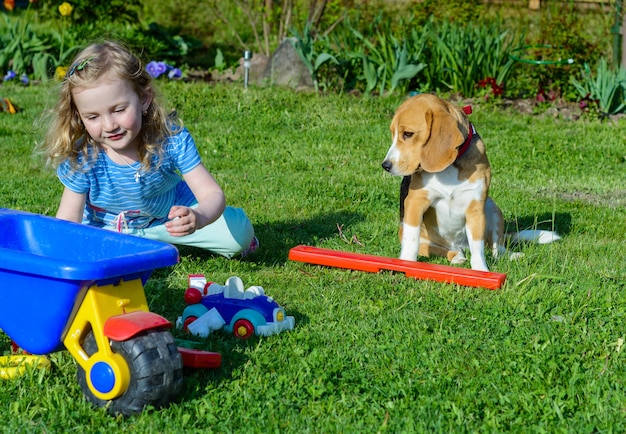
<point>183,221</point>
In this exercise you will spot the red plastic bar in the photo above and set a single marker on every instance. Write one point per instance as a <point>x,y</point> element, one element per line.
<point>200,359</point>
<point>417,270</point>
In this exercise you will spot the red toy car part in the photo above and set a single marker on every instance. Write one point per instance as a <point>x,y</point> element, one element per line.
<point>417,270</point>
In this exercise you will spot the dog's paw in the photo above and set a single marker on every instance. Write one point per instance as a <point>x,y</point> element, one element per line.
<point>407,257</point>
<point>458,259</point>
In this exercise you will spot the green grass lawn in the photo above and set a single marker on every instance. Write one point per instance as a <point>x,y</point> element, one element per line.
<point>371,352</point>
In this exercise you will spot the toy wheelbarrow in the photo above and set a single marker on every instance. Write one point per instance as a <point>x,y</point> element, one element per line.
<point>67,285</point>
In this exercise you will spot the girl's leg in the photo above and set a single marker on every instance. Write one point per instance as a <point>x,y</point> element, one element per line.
<point>228,236</point>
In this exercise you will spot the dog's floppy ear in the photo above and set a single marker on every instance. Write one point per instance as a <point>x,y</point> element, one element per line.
<point>445,137</point>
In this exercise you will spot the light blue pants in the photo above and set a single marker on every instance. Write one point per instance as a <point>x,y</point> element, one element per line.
<point>228,236</point>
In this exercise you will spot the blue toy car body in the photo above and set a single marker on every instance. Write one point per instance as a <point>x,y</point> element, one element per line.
<point>244,313</point>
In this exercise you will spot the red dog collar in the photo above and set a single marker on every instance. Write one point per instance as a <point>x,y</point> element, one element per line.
<point>465,146</point>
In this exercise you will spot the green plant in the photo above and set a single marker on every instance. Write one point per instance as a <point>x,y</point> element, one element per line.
<point>458,11</point>
<point>566,38</point>
<point>220,64</point>
<point>437,56</point>
<point>605,87</point>
<point>306,47</point>
<point>264,24</point>
<point>460,56</point>
<point>385,62</point>
<point>172,44</point>
<point>92,12</point>
<point>372,59</point>
<point>346,73</point>
<point>22,49</point>
<point>267,23</point>
<point>70,26</point>
<point>149,41</point>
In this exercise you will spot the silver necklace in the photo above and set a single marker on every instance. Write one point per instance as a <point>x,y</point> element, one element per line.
<point>137,175</point>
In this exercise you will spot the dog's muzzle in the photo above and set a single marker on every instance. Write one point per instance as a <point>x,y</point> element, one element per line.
<point>387,165</point>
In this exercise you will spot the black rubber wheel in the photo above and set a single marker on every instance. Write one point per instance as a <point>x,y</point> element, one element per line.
<point>156,372</point>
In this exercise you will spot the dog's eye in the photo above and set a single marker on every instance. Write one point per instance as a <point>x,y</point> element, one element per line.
<point>407,135</point>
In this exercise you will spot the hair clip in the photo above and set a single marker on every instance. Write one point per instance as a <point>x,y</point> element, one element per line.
<point>80,66</point>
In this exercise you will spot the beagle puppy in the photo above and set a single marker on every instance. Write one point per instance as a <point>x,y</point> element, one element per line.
<point>445,208</point>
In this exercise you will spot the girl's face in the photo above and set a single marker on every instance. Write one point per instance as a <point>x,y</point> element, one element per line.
<point>112,113</point>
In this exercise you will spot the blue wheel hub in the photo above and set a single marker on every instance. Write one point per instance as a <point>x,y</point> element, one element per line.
<point>102,377</point>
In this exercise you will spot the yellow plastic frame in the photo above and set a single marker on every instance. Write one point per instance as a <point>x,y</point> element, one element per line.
<point>16,365</point>
<point>100,304</point>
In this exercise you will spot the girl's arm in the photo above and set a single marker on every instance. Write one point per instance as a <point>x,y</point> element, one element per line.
<point>211,203</point>
<point>72,206</point>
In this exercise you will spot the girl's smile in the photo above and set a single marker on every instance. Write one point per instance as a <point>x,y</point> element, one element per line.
<point>116,137</point>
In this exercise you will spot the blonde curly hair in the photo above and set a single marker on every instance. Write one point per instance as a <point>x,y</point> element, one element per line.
<point>67,138</point>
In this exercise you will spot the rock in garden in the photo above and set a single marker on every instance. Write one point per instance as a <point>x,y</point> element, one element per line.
<point>286,68</point>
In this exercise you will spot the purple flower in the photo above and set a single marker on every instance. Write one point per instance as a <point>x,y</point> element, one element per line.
<point>175,74</point>
<point>10,76</point>
<point>24,79</point>
<point>155,69</point>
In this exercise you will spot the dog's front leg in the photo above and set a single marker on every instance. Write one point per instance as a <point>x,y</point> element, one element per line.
<point>415,205</point>
<point>409,242</point>
<point>475,224</point>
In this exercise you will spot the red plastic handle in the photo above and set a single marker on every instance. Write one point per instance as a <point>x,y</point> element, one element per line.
<point>417,270</point>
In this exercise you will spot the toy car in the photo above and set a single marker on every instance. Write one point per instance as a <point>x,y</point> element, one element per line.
<point>231,308</point>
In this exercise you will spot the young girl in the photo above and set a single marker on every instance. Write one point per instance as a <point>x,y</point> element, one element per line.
<point>121,159</point>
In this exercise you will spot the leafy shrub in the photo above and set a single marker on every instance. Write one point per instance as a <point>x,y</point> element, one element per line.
<point>149,42</point>
<point>458,11</point>
<point>347,44</point>
<point>39,40</point>
<point>91,12</point>
<point>307,50</point>
<point>602,91</point>
<point>373,59</point>
<point>386,61</point>
<point>22,50</point>
<point>29,49</point>
<point>562,46</point>
<point>436,56</point>
<point>460,57</point>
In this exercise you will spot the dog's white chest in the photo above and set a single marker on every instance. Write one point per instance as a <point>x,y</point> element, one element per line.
<point>451,197</point>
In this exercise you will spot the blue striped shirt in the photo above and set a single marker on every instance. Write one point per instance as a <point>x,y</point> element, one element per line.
<point>112,189</point>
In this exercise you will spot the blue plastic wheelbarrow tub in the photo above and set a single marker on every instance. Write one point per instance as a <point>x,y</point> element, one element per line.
<point>47,264</point>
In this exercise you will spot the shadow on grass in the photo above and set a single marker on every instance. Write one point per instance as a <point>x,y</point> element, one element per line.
<point>278,237</point>
<point>559,222</point>
<point>234,353</point>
